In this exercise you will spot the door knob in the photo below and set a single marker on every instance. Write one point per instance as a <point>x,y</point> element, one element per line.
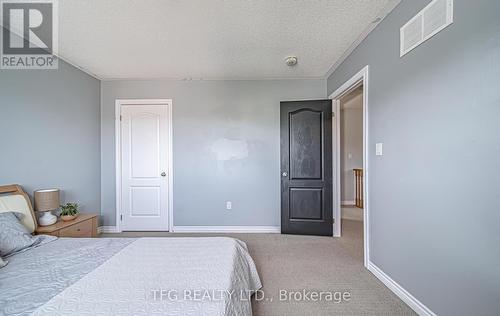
<point>284,174</point>
<point>163,174</point>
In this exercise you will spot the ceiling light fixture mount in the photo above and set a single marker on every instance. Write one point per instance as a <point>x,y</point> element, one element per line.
<point>291,61</point>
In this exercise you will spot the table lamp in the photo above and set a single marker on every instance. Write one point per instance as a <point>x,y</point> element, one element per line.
<point>47,201</point>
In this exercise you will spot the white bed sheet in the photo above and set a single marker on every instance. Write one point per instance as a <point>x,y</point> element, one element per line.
<point>165,276</point>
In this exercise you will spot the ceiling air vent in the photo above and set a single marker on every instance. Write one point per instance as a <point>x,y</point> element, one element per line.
<point>433,18</point>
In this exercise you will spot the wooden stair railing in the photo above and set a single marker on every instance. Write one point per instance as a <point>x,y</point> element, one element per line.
<point>358,180</point>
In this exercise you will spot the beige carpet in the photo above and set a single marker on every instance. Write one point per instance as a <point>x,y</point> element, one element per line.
<point>294,263</point>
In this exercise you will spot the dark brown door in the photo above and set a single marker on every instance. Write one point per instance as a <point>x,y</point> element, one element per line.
<point>306,168</point>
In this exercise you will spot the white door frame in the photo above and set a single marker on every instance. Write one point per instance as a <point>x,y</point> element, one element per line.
<point>118,161</point>
<point>356,80</point>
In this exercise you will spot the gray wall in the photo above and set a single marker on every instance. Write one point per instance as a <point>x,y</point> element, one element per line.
<point>49,127</point>
<point>434,223</point>
<point>206,114</point>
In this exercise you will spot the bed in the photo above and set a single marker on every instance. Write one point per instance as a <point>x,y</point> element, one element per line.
<point>126,276</point>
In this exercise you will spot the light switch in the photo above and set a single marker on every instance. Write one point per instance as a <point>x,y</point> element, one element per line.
<point>379,149</point>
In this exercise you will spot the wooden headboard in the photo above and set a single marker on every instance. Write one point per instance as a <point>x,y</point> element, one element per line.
<point>7,202</point>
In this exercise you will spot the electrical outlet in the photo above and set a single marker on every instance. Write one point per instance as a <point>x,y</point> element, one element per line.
<point>229,205</point>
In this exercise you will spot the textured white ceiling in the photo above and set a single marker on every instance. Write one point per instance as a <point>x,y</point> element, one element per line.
<point>211,39</point>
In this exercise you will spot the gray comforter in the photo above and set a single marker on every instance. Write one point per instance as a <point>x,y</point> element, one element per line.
<point>34,277</point>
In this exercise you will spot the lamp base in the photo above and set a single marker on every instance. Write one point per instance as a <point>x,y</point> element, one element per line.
<point>47,219</point>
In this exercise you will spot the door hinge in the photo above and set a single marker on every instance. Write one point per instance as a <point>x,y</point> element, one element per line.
<point>333,114</point>
<point>121,217</point>
<point>120,118</point>
<point>333,220</point>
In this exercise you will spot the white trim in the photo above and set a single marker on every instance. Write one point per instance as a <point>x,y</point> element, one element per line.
<point>397,289</point>
<point>107,229</point>
<point>337,170</point>
<point>118,105</point>
<point>381,16</point>
<point>348,203</point>
<point>361,77</point>
<point>205,229</point>
<point>118,166</point>
<point>227,229</point>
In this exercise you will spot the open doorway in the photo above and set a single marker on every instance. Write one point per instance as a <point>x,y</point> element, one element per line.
<point>350,147</point>
<point>350,158</point>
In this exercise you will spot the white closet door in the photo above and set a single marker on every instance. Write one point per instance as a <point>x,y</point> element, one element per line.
<point>144,154</point>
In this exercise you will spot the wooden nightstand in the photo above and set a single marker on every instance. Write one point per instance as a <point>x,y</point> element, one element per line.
<point>85,225</point>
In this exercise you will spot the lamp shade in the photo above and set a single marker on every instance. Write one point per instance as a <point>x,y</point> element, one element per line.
<point>46,200</point>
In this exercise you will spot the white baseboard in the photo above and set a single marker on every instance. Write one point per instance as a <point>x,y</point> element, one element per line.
<point>348,203</point>
<point>107,229</point>
<point>404,295</point>
<point>226,229</point>
<point>206,229</point>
